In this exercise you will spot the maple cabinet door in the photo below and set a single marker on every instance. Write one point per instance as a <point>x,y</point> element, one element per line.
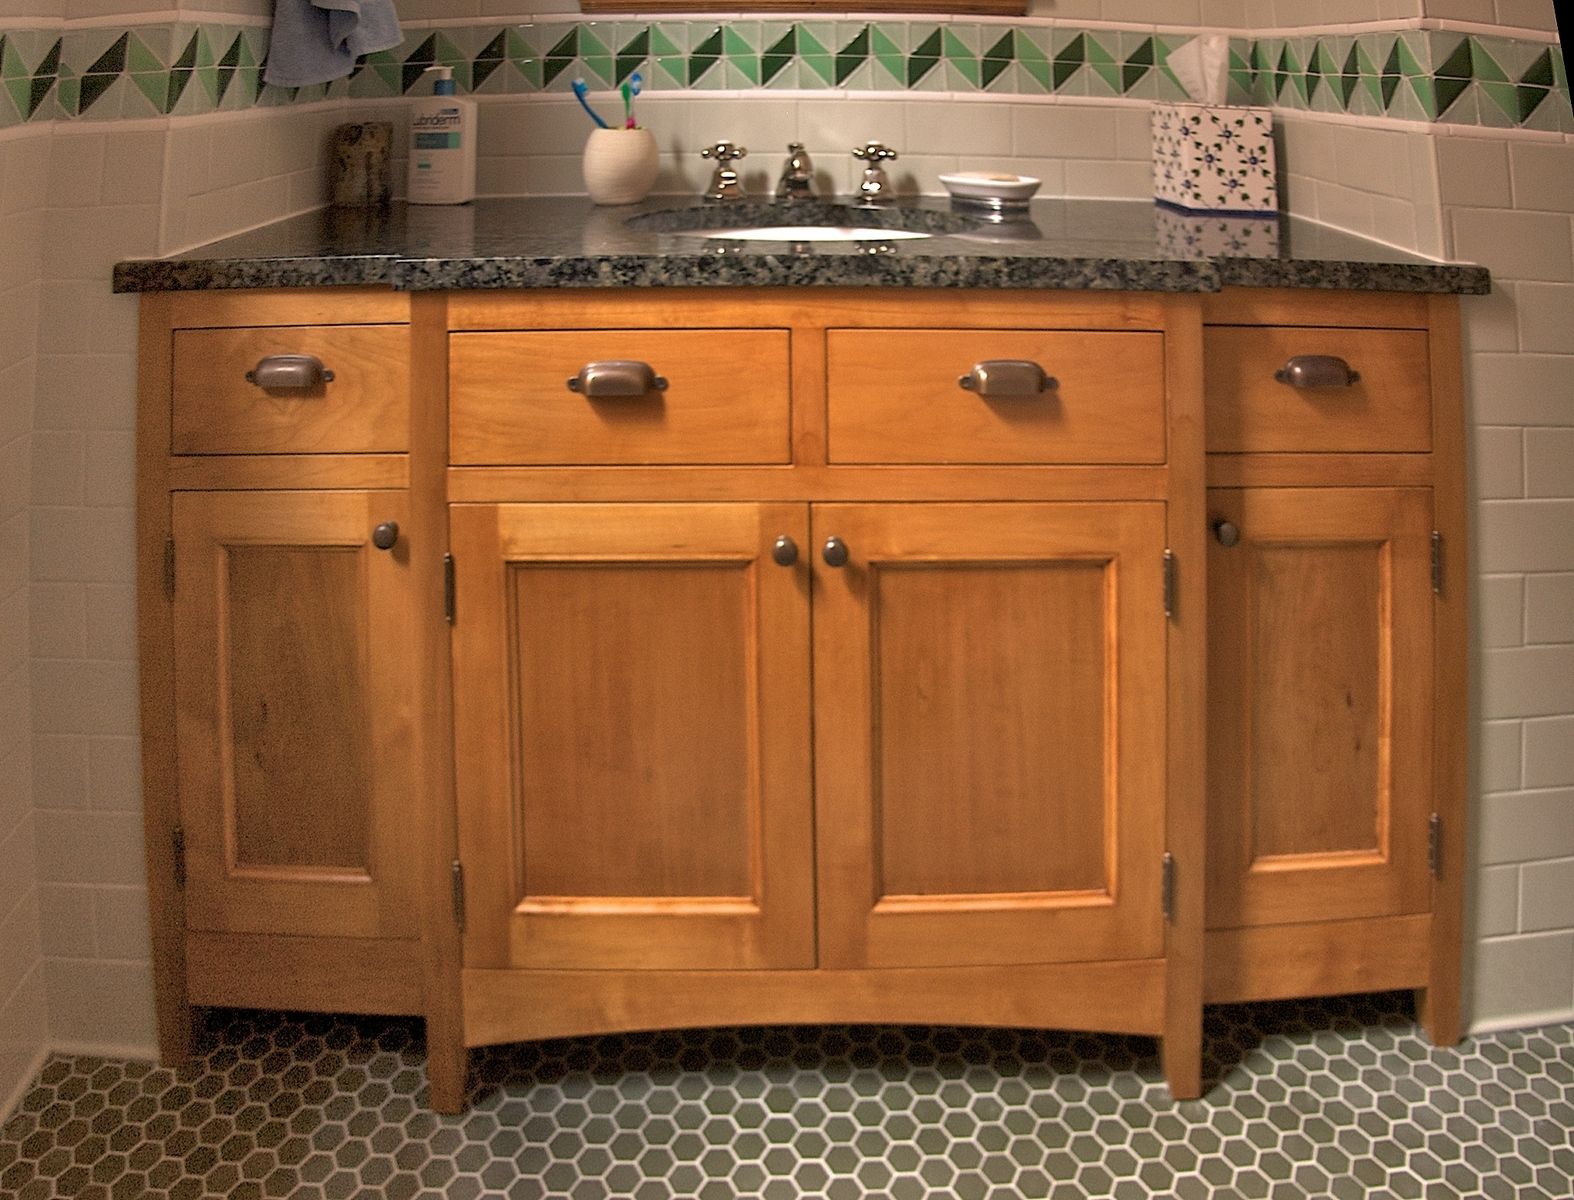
<point>631,708</point>
<point>1319,704</point>
<point>293,713</point>
<point>989,686</point>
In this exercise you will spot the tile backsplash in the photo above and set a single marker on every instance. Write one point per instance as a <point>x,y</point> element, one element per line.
<point>1422,75</point>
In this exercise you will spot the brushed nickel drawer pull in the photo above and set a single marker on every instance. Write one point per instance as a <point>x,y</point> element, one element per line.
<point>1317,371</point>
<point>617,377</point>
<point>1007,377</point>
<point>289,372</point>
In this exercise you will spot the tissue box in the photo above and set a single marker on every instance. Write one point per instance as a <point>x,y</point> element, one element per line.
<point>1213,158</point>
<point>1215,235</point>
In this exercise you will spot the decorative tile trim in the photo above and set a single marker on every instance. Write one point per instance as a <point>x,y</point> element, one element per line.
<point>1412,75</point>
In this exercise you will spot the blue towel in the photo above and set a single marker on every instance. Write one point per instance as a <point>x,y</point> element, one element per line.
<point>315,41</point>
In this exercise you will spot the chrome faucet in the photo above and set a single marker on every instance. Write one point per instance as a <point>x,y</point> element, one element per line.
<point>874,187</point>
<point>726,183</point>
<point>797,181</point>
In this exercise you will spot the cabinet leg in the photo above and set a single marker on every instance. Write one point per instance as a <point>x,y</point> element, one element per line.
<point>1181,1055</point>
<point>1438,1012</point>
<point>179,1027</point>
<point>447,1065</point>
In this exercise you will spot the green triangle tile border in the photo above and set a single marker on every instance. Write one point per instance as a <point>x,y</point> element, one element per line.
<point>183,67</point>
<point>924,58</point>
<point>991,69</point>
<point>1041,71</point>
<point>1444,93</point>
<point>1540,72</point>
<point>882,46</point>
<point>1458,64</point>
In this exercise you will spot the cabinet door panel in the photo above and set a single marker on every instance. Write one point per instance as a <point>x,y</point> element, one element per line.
<point>1320,680</point>
<point>989,692</point>
<point>631,703</point>
<point>293,714</point>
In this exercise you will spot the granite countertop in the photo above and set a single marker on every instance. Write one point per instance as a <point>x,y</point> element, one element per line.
<point>569,242</point>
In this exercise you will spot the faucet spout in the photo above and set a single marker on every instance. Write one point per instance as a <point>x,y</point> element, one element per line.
<point>797,181</point>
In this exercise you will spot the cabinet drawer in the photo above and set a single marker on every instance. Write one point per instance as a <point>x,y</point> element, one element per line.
<point>364,408</point>
<point>894,396</point>
<point>725,400</point>
<point>1249,410</point>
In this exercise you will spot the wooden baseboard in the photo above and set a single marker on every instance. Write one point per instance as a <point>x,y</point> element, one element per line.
<point>1110,997</point>
<point>319,974</point>
<point>1318,958</point>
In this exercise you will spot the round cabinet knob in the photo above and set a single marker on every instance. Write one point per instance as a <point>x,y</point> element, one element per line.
<point>834,552</point>
<point>784,551</point>
<point>385,535</point>
<point>1226,532</point>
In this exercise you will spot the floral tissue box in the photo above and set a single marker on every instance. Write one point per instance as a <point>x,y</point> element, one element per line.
<point>1212,158</point>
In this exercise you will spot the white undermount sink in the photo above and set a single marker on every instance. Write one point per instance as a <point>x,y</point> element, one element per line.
<point>808,233</point>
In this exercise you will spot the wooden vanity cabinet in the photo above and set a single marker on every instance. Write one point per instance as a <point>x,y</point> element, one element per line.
<point>810,685</point>
<point>1335,595</point>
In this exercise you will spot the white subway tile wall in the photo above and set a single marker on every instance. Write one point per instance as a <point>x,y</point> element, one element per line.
<point>1509,204</point>
<point>24,175</point>
<point>112,194</point>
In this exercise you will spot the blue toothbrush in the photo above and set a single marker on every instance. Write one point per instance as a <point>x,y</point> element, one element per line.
<point>581,90</point>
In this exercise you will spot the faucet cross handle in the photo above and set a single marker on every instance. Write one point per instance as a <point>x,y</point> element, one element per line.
<point>724,152</point>
<point>874,187</point>
<point>725,182</point>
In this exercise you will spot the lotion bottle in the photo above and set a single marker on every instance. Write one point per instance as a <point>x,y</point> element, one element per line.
<point>442,144</point>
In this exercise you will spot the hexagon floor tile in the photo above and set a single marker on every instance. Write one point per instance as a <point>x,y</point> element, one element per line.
<point>1330,1098</point>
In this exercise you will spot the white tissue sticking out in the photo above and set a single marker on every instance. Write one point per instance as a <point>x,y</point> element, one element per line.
<point>1203,67</point>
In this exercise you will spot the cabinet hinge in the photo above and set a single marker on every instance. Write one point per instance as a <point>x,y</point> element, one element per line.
<point>1434,846</point>
<point>1167,886</point>
<point>169,568</point>
<point>1437,563</point>
<point>448,588</point>
<point>177,846</point>
<point>457,875</point>
<point>1169,583</point>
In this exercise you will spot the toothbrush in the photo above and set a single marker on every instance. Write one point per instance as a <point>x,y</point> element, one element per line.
<point>581,89</point>
<point>630,90</point>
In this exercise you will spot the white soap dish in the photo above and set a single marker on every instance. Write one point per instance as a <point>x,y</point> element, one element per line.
<point>997,189</point>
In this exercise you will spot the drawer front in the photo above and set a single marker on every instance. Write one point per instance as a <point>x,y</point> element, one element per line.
<point>364,408</point>
<point>894,396</point>
<point>725,399</point>
<point>1249,410</point>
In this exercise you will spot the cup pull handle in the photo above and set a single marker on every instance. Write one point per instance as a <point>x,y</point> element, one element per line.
<point>616,377</point>
<point>289,372</point>
<point>1007,377</point>
<point>1317,371</point>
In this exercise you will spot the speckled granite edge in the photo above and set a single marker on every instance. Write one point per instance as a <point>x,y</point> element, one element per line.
<point>814,270</point>
<point>1447,278</point>
<point>788,270</point>
<point>197,275</point>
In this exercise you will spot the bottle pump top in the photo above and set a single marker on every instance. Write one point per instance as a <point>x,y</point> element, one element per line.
<point>443,85</point>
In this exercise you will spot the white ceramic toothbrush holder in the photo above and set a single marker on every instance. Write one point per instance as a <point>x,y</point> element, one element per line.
<point>620,165</point>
